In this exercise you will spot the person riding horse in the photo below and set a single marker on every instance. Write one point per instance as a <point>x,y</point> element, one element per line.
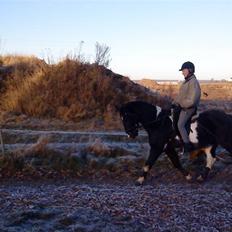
<point>186,104</point>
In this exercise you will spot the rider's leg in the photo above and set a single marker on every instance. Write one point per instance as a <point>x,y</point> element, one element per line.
<point>185,116</point>
<point>176,115</point>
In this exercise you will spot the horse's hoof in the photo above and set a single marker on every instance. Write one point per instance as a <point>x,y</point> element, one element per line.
<point>200,178</point>
<point>188,177</point>
<point>139,181</point>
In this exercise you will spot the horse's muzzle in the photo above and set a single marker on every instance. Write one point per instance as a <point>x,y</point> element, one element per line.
<point>132,136</point>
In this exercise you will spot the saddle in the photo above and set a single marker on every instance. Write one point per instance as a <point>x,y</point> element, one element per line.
<point>194,117</point>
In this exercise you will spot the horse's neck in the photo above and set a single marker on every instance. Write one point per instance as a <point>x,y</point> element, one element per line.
<point>164,120</point>
<point>147,114</point>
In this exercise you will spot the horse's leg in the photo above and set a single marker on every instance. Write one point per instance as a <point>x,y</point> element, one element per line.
<point>210,159</point>
<point>173,156</point>
<point>154,153</point>
<point>228,147</point>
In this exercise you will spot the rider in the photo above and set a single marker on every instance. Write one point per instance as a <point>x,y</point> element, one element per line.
<point>187,100</point>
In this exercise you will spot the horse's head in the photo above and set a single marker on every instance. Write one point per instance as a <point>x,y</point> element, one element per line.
<point>130,122</point>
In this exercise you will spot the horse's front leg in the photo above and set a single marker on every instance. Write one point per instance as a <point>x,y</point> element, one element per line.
<point>155,152</point>
<point>173,156</point>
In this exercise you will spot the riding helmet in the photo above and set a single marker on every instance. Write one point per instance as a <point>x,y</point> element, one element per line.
<point>189,65</point>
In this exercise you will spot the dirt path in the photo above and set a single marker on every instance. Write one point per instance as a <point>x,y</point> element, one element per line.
<point>113,206</point>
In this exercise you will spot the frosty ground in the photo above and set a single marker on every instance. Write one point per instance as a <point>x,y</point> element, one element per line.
<point>108,200</point>
<point>113,206</point>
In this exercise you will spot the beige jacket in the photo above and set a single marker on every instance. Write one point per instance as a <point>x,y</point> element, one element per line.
<point>189,93</point>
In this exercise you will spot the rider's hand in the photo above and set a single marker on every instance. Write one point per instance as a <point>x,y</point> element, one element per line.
<point>175,104</point>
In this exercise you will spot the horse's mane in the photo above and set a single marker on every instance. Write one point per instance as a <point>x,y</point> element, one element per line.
<point>132,106</point>
<point>149,109</point>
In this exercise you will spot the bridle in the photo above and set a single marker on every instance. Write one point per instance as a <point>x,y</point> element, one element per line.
<point>133,128</point>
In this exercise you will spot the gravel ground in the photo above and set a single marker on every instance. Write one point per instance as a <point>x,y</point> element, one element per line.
<point>109,201</point>
<point>115,206</point>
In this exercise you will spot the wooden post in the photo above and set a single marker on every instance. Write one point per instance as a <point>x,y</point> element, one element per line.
<point>2,144</point>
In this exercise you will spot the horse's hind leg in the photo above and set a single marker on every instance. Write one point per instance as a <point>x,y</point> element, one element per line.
<point>210,159</point>
<point>154,153</point>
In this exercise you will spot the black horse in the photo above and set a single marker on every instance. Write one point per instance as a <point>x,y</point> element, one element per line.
<point>210,129</point>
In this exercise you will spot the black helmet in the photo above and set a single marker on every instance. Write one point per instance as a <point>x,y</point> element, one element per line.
<point>189,65</point>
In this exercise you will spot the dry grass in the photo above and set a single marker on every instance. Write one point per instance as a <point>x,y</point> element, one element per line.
<point>218,90</point>
<point>99,148</point>
<point>80,95</point>
<point>39,160</point>
<point>70,90</point>
<point>215,95</point>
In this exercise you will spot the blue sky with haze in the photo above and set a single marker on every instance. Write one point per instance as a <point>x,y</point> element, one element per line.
<point>148,39</point>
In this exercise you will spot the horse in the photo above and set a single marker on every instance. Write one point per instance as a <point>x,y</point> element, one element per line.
<point>210,129</point>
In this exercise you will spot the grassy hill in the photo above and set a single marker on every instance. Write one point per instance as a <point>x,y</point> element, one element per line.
<point>70,91</point>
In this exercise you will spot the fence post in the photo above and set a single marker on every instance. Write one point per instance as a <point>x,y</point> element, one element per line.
<point>2,144</point>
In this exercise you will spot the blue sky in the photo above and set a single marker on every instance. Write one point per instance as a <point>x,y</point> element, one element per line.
<point>148,39</point>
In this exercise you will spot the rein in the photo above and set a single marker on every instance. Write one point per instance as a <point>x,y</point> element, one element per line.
<point>151,122</point>
<point>138,126</point>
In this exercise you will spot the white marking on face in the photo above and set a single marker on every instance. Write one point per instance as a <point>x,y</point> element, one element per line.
<point>193,135</point>
<point>140,179</point>
<point>146,168</point>
<point>209,158</point>
<point>177,137</point>
<point>158,110</point>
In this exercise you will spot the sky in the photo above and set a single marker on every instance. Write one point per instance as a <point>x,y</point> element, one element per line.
<point>147,38</point>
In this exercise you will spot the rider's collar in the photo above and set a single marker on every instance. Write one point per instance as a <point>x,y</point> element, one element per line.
<point>188,78</point>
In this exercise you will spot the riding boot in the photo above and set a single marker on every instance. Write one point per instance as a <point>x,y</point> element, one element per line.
<point>185,158</point>
<point>188,147</point>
